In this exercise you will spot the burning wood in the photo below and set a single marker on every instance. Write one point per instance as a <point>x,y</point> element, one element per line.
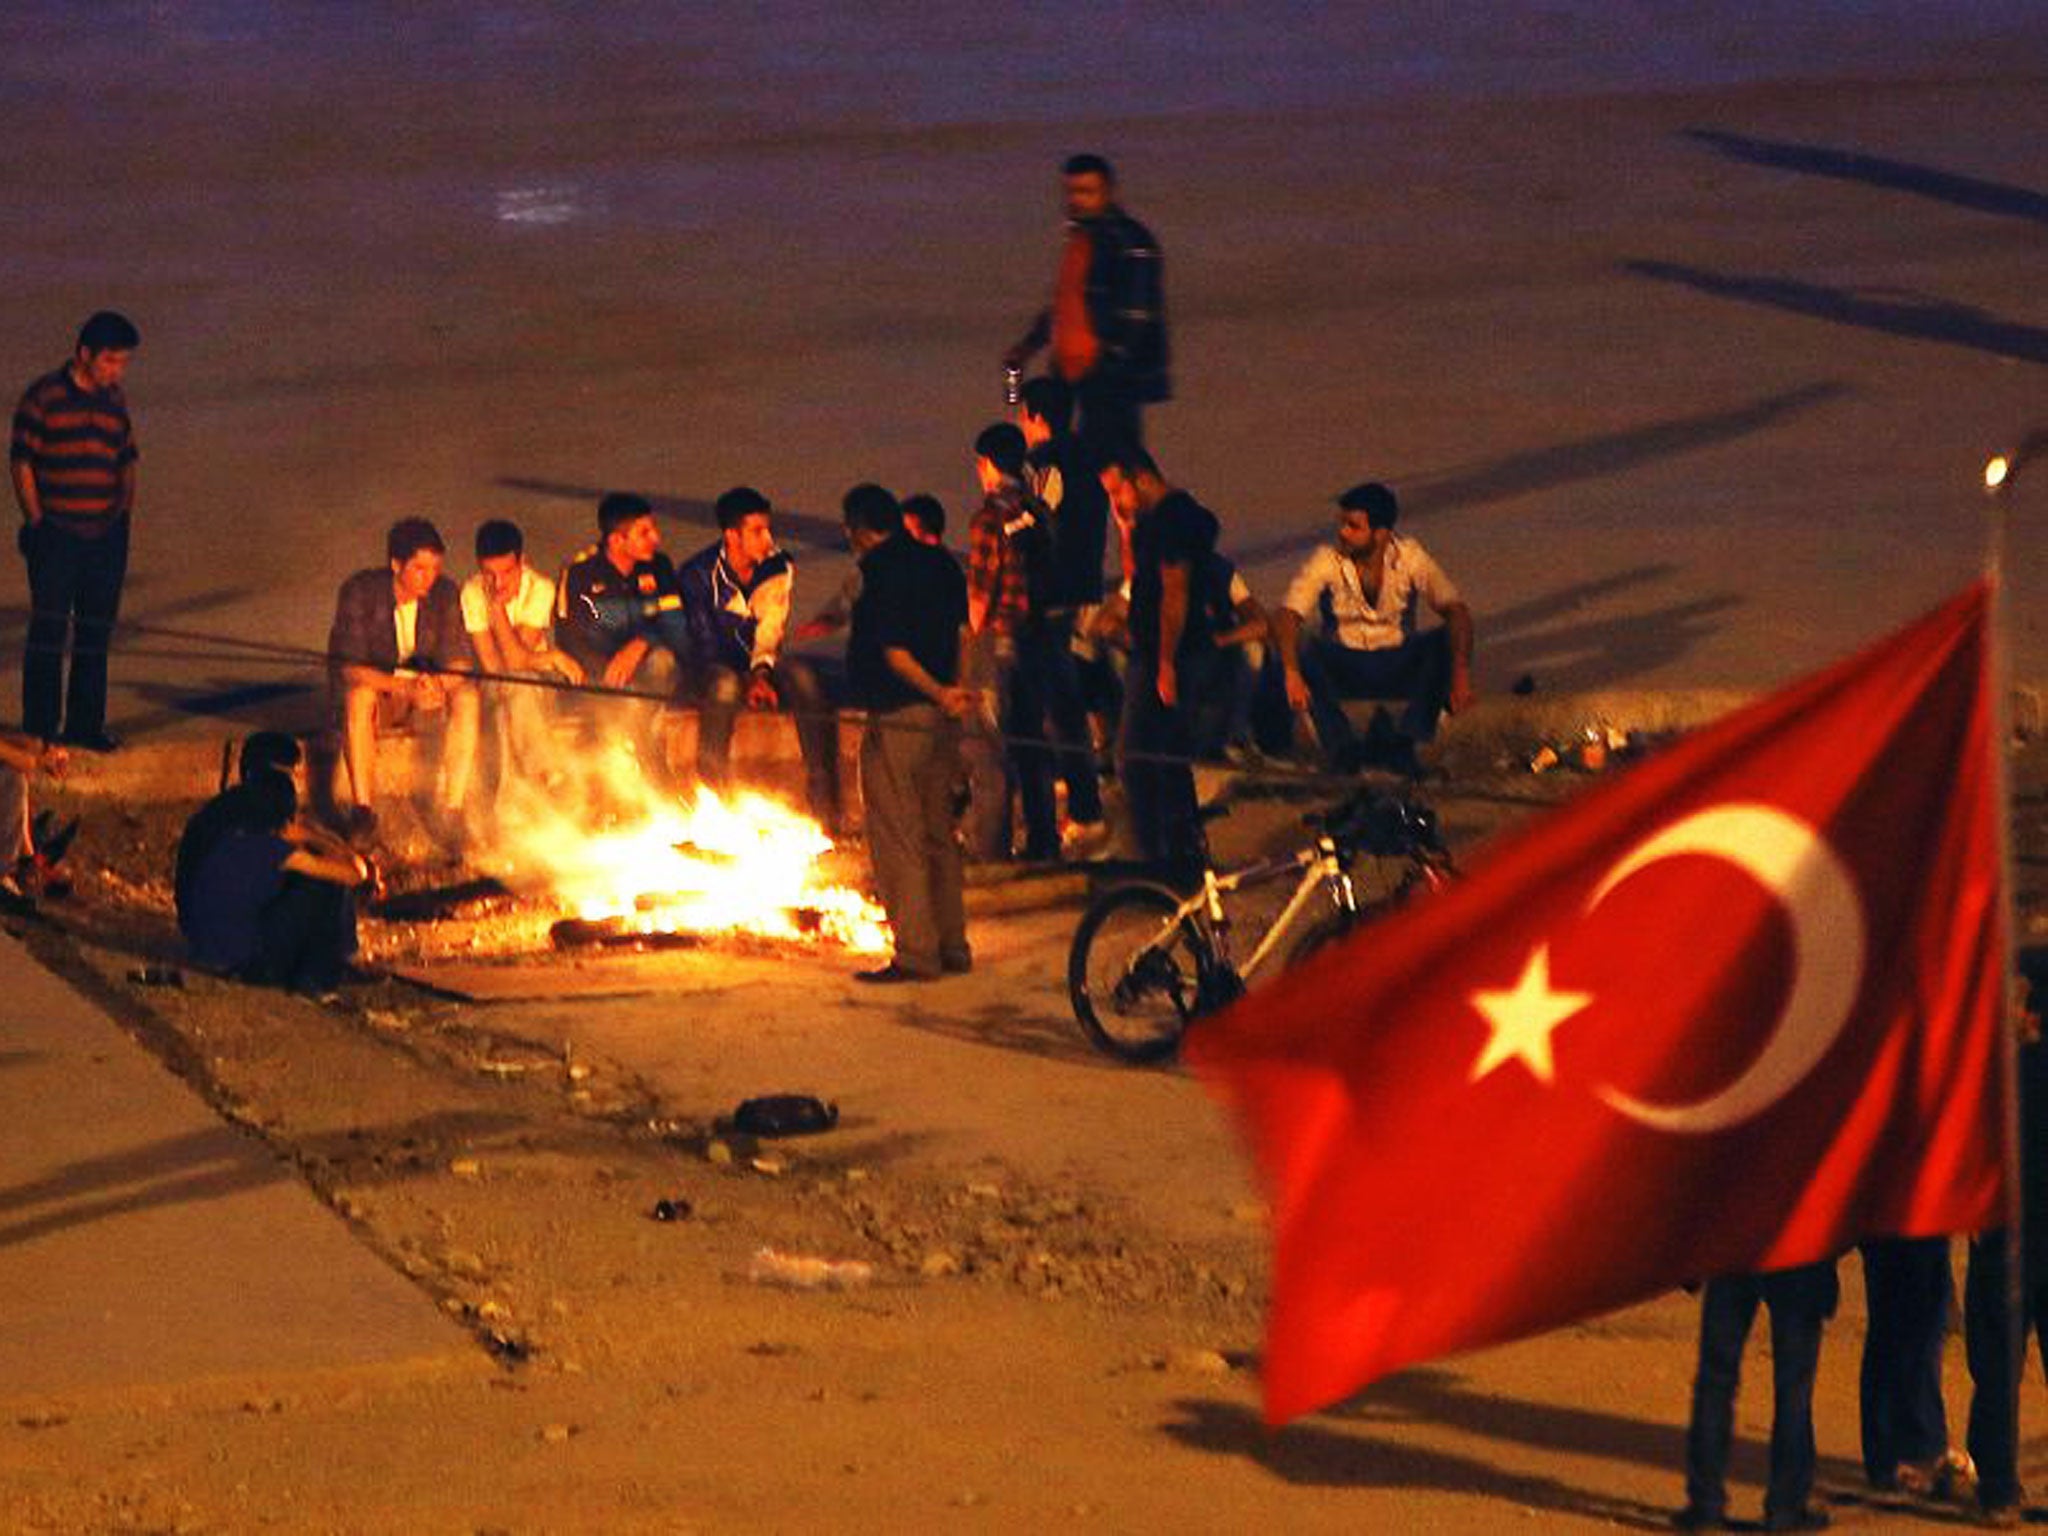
<point>741,865</point>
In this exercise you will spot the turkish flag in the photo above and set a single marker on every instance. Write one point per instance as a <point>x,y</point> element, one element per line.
<point>1735,1010</point>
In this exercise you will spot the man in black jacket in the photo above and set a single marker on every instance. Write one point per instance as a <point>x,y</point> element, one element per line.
<point>1107,320</point>
<point>903,665</point>
<point>1065,476</point>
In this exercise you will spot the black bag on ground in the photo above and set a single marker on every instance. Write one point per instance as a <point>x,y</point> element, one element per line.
<point>784,1114</point>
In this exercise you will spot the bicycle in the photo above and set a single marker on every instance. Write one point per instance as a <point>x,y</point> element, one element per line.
<point>1147,959</point>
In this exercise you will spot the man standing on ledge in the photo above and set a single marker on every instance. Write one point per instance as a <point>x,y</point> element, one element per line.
<point>73,459</point>
<point>1173,654</point>
<point>1107,319</point>
<point>903,662</point>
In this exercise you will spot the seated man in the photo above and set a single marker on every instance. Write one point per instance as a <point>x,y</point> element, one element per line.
<point>397,651</point>
<point>265,907</point>
<point>619,614</point>
<point>506,610</point>
<point>736,595</point>
<point>1358,598</point>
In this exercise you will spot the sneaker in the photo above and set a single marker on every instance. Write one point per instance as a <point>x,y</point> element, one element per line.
<point>1951,1475</point>
<point>92,741</point>
<point>1695,1518</point>
<point>1084,839</point>
<point>1243,756</point>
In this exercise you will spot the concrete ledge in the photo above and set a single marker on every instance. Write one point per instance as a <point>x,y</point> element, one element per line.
<point>188,766</point>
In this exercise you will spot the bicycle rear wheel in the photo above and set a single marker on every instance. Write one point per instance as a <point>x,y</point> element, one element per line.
<point>1134,972</point>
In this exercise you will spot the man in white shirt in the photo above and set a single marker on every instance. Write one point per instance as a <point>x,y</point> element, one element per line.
<point>1347,630</point>
<point>507,607</point>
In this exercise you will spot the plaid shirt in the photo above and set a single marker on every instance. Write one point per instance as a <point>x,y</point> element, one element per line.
<point>996,570</point>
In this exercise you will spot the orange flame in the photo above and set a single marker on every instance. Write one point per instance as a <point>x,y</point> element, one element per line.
<point>743,864</point>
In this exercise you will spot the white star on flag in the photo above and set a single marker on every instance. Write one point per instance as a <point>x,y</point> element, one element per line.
<point>1522,1019</point>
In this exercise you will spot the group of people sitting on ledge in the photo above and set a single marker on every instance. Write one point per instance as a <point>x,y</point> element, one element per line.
<point>1156,660</point>
<point>1054,663</point>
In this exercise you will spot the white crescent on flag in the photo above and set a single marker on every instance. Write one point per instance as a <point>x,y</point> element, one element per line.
<point>1793,862</point>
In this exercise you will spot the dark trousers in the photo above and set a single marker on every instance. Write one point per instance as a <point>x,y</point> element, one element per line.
<point>1047,696</point>
<point>723,693</point>
<point>1996,1366</point>
<point>1906,1285</point>
<point>307,934</point>
<point>74,587</point>
<point>909,765</point>
<point>1111,416</point>
<point>1800,1301</point>
<point>1415,673</point>
<point>1165,816</point>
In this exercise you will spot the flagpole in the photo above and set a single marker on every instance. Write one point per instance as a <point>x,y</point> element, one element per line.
<point>1998,476</point>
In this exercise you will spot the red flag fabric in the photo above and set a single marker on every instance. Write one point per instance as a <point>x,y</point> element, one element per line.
<point>1735,1010</point>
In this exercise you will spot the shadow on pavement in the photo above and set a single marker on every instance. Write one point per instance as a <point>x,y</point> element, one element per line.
<point>1586,458</point>
<point>1566,657</point>
<point>1011,1027</point>
<point>1895,312</point>
<point>222,698</point>
<point>220,1161</point>
<point>1877,171</point>
<point>1312,1455</point>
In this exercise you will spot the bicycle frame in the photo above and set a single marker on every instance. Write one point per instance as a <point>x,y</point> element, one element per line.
<point>1322,874</point>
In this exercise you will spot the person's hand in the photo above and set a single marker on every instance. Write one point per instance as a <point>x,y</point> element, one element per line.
<point>53,760</point>
<point>1462,693</point>
<point>761,691</point>
<point>1169,685</point>
<point>1297,692</point>
<point>428,692</point>
<point>618,672</point>
<point>959,702</point>
<point>569,667</point>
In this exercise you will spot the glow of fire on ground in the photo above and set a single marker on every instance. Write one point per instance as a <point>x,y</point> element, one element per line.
<point>741,864</point>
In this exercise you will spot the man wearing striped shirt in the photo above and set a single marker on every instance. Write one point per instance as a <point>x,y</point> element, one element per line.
<point>73,461</point>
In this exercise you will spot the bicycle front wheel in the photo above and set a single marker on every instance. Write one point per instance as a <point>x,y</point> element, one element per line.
<point>1134,972</point>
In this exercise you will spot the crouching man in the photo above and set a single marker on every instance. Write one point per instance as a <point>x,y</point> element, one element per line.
<point>268,907</point>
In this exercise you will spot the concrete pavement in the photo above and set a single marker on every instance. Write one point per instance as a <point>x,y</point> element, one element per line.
<point>144,1241</point>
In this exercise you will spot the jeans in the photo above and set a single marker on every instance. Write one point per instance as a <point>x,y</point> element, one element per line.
<point>1417,672</point>
<point>1800,1302</point>
<point>722,695</point>
<point>1996,1366</point>
<point>1906,1285</point>
<point>1165,817</point>
<point>74,588</point>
